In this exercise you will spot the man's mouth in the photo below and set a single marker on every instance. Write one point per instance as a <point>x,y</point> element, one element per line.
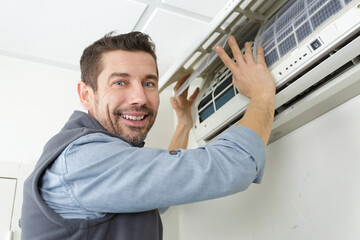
<point>133,118</point>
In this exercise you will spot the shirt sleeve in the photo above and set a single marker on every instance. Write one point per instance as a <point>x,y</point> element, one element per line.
<point>106,174</point>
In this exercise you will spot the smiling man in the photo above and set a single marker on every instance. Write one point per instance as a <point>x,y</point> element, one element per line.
<point>126,98</point>
<point>95,180</point>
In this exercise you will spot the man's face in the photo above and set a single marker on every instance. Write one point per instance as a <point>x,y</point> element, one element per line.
<point>127,98</point>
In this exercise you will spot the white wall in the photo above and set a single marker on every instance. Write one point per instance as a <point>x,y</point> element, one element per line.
<point>309,190</point>
<point>35,102</point>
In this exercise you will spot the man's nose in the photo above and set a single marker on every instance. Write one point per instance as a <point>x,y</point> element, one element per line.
<point>137,95</point>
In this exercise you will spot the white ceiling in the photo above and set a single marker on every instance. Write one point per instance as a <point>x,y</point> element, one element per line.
<point>56,32</point>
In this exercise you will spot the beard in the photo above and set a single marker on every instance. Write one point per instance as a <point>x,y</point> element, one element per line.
<point>132,134</point>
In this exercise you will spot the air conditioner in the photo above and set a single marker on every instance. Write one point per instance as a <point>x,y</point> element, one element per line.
<point>312,48</point>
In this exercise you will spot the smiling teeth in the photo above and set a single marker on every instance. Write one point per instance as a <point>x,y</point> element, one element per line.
<point>134,118</point>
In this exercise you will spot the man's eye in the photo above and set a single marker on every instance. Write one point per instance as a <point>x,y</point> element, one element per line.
<point>149,84</point>
<point>120,83</point>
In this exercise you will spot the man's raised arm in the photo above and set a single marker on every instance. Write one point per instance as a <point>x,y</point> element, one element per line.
<point>182,107</point>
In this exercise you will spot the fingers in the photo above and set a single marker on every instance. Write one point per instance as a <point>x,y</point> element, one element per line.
<point>238,55</point>
<point>180,101</point>
<point>174,103</point>
<point>260,56</point>
<point>194,95</point>
<point>180,82</point>
<point>224,57</point>
<point>235,49</point>
<point>248,53</point>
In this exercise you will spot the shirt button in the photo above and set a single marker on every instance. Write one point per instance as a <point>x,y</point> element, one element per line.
<point>173,152</point>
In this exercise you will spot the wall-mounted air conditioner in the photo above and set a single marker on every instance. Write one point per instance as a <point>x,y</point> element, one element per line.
<point>312,48</point>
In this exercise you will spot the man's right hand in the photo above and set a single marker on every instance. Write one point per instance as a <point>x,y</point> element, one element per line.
<point>251,78</point>
<point>254,80</point>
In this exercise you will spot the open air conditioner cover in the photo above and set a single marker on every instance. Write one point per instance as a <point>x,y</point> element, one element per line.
<point>309,45</point>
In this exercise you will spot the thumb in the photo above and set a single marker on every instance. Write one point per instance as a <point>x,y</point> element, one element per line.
<point>174,103</point>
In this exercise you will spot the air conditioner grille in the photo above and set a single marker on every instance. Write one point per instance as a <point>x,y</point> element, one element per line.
<point>292,24</point>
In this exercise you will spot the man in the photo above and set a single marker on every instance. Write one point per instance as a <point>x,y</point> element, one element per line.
<point>94,179</point>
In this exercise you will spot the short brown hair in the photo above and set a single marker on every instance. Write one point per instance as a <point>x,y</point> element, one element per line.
<point>90,62</point>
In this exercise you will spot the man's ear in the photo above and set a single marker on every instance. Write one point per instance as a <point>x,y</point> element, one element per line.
<point>86,95</point>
